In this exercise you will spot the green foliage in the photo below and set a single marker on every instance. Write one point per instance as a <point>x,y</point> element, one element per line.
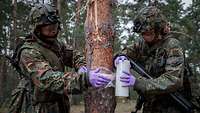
<point>23,10</point>
<point>191,22</point>
<point>5,20</point>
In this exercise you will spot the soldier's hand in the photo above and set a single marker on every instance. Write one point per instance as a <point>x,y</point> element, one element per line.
<point>98,79</point>
<point>128,79</point>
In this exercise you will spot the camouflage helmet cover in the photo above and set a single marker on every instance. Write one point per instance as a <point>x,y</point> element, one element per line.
<point>43,14</point>
<point>149,18</point>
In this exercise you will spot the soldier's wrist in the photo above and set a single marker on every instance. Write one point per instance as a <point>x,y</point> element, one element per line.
<point>139,86</point>
<point>86,78</point>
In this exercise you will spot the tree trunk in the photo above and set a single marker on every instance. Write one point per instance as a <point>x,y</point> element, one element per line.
<point>77,23</point>
<point>54,2</point>
<point>58,6</point>
<point>1,79</point>
<point>78,7</point>
<point>14,4</point>
<point>99,43</point>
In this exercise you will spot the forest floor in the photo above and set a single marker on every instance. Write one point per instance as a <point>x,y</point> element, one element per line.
<point>122,107</point>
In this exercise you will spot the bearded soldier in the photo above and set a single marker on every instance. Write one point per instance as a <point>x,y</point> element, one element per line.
<point>160,54</point>
<point>42,59</point>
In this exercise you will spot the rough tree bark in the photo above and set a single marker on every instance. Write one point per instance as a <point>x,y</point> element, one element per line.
<point>99,42</point>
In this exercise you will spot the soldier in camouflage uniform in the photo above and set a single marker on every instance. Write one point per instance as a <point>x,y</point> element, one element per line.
<point>45,85</point>
<point>161,55</point>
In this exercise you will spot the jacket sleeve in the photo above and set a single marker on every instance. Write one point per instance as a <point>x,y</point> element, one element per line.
<point>169,81</point>
<point>134,51</point>
<point>34,64</point>
<point>73,58</point>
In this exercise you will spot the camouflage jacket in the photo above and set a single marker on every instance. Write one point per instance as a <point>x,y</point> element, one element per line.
<point>45,65</point>
<point>164,61</point>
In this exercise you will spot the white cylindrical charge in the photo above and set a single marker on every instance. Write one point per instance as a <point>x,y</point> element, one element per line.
<point>119,89</point>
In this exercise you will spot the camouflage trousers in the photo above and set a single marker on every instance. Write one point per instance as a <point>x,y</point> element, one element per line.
<point>159,109</point>
<point>51,108</point>
<point>48,102</point>
<point>163,109</point>
<point>165,104</point>
<point>161,105</point>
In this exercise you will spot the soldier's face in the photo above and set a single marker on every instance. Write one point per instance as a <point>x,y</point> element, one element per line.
<point>148,36</point>
<point>50,31</point>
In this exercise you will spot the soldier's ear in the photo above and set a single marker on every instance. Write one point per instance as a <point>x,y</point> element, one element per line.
<point>167,28</point>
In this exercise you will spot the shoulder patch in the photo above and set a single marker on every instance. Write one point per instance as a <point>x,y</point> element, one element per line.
<point>172,43</point>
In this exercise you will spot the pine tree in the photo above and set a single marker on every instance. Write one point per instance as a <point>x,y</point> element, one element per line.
<point>99,42</point>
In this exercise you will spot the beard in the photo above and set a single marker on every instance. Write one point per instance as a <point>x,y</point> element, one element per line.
<point>47,39</point>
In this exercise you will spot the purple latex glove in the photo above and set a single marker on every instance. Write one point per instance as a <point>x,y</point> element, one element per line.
<point>98,79</point>
<point>128,79</point>
<point>82,70</point>
<point>120,59</point>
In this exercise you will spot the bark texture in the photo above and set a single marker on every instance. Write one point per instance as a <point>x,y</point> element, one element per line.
<point>99,42</point>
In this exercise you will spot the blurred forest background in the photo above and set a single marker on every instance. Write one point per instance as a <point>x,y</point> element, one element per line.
<point>13,24</point>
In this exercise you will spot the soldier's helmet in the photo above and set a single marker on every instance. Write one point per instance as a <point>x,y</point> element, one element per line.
<point>43,14</point>
<point>149,18</point>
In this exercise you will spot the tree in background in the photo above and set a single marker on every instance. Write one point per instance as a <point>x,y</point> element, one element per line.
<point>5,34</point>
<point>191,22</point>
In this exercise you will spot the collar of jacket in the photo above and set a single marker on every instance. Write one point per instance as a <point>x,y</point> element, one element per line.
<point>159,43</point>
<point>54,46</point>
